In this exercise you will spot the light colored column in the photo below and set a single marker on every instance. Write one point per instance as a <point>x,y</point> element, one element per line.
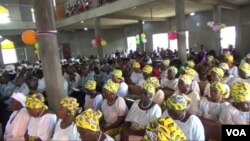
<point>217,19</point>
<point>98,32</point>
<point>46,29</point>
<point>181,29</point>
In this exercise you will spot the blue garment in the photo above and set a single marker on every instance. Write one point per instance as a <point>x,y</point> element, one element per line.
<point>84,79</point>
<point>106,77</point>
<point>65,87</point>
<point>23,89</point>
<point>7,89</point>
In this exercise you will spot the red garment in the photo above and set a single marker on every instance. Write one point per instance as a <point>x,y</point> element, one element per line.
<point>156,72</point>
<point>142,64</point>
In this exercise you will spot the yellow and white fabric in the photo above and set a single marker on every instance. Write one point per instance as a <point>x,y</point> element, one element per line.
<point>192,127</point>
<point>93,103</point>
<point>118,73</point>
<point>209,110</point>
<point>166,62</point>
<point>90,85</point>
<point>70,104</point>
<point>111,86</point>
<point>245,67</point>
<point>164,129</point>
<point>240,92</point>
<point>89,119</point>
<point>36,101</point>
<point>147,69</point>
<point>218,71</point>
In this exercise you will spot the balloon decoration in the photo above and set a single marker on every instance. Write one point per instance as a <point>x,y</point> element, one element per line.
<point>138,39</point>
<point>37,46</point>
<point>216,26</point>
<point>103,43</point>
<point>98,41</point>
<point>29,37</point>
<point>172,35</point>
<point>143,38</point>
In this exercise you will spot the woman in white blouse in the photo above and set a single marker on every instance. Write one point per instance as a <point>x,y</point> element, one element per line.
<point>142,112</point>
<point>42,122</point>
<point>65,128</point>
<point>17,125</point>
<point>114,109</point>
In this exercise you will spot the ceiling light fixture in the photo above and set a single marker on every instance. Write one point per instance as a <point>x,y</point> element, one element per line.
<point>192,14</point>
<point>85,28</point>
<point>1,36</point>
<point>82,21</point>
<point>143,22</point>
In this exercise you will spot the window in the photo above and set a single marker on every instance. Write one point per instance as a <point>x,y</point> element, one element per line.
<point>131,41</point>
<point>33,15</point>
<point>228,37</point>
<point>160,40</point>
<point>8,52</point>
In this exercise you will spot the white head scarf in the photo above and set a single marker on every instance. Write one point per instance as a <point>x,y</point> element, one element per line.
<point>20,97</point>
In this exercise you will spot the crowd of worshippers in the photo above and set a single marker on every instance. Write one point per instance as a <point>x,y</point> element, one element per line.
<point>126,99</point>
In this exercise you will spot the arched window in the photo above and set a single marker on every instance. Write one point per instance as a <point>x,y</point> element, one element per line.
<point>8,52</point>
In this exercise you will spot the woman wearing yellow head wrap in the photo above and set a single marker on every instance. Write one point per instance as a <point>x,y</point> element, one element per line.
<point>184,86</point>
<point>142,112</point>
<point>164,129</point>
<point>147,69</point>
<point>164,68</point>
<point>210,107</point>
<point>42,122</point>
<point>191,64</point>
<point>93,99</point>
<point>65,127</point>
<point>189,71</point>
<point>136,65</point>
<point>117,75</point>
<point>227,77</point>
<point>88,126</point>
<point>234,113</point>
<point>177,106</point>
<point>229,58</point>
<point>216,74</point>
<point>154,81</point>
<point>244,70</point>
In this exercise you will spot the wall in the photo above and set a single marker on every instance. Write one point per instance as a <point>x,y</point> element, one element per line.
<point>80,41</point>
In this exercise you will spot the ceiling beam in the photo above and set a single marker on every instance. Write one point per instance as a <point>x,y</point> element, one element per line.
<point>17,25</point>
<point>128,17</point>
<point>103,10</point>
<point>222,3</point>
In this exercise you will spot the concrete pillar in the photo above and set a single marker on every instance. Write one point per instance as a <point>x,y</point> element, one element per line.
<point>181,29</point>
<point>217,19</point>
<point>49,51</point>
<point>98,32</point>
<point>141,46</point>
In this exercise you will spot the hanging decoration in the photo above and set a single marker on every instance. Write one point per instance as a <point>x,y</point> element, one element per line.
<point>143,38</point>
<point>29,37</point>
<point>216,27</point>
<point>98,41</point>
<point>138,39</point>
<point>172,35</point>
<point>37,46</point>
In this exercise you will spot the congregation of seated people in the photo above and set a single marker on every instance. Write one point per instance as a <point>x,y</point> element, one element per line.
<point>127,97</point>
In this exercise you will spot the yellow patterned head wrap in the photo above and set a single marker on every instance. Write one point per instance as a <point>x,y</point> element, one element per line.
<point>218,71</point>
<point>221,88</point>
<point>90,85</point>
<point>173,69</point>
<point>36,101</point>
<point>189,71</point>
<point>118,73</point>
<point>191,63</point>
<point>224,66</point>
<point>89,119</point>
<point>229,58</point>
<point>147,69</point>
<point>166,62</point>
<point>210,58</point>
<point>240,92</point>
<point>186,79</point>
<point>111,86</point>
<point>71,104</point>
<point>245,67</point>
<point>163,129</point>
<point>149,88</point>
<point>154,81</point>
<point>177,102</point>
<point>135,65</point>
